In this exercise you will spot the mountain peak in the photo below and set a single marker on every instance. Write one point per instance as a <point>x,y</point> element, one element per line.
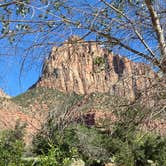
<point>74,38</point>
<point>85,67</point>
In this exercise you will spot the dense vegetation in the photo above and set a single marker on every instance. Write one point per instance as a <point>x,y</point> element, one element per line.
<point>124,145</point>
<point>61,144</point>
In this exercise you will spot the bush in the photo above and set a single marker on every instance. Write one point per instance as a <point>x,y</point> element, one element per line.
<point>11,146</point>
<point>99,61</point>
<point>150,149</point>
<point>57,156</point>
<point>55,147</point>
<point>85,141</point>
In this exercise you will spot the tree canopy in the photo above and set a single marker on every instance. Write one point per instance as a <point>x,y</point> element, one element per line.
<point>136,26</point>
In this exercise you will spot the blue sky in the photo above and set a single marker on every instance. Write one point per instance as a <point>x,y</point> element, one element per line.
<point>14,82</point>
<point>10,79</point>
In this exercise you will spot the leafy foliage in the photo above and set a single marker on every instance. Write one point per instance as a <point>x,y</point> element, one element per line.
<point>140,151</point>
<point>125,144</point>
<point>130,146</point>
<point>55,148</point>
<point>57,157</point>
<point>12,146</point>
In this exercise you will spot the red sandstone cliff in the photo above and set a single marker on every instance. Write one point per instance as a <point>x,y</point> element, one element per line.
<point>85,67</point>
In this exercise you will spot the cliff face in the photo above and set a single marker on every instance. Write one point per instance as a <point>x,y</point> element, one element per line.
<point>84,68</point>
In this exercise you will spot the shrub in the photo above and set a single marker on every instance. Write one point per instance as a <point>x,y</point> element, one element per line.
<point>150,149</point>
<point>99,64</point>
<point>99,61</point>
<point>55,148</point>
<point>11,146</point>
<point>57,156</point>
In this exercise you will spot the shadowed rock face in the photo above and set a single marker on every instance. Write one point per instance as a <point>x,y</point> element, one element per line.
<point>85,67</point>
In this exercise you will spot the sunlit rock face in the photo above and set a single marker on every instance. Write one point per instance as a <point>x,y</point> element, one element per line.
<point>85,67</point>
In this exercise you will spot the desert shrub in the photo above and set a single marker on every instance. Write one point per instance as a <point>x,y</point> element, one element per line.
<point>98,61</point>
<point>55,147</point>
<point>90,145</point>
<point>85,141</point>
<point>51,134</point>
<point>11,146</point>
<point>99,64</point>
<point>40,94</point>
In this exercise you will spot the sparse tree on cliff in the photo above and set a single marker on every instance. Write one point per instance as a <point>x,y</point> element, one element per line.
<point>137,26</point>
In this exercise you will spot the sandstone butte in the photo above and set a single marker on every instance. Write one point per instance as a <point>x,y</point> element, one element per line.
<point>85,67</point>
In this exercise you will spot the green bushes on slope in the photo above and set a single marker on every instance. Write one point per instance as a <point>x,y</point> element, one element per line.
<point>125,145</point>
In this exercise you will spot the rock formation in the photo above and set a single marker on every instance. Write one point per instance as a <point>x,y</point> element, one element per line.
<point>85,67</point>
<point>2,94</point>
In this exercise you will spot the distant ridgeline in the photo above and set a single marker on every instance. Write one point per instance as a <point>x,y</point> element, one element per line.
<point>84,67</point>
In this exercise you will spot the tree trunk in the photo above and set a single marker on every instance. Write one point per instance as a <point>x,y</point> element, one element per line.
<point>159,32</point>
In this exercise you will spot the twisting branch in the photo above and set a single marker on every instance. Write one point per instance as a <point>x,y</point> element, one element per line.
<point>118,41</point>
<point>7,4</point>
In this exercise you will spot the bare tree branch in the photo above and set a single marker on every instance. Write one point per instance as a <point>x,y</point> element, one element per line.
<point>8,4</point>
<point>133,26</point>
<point>114,39</point>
